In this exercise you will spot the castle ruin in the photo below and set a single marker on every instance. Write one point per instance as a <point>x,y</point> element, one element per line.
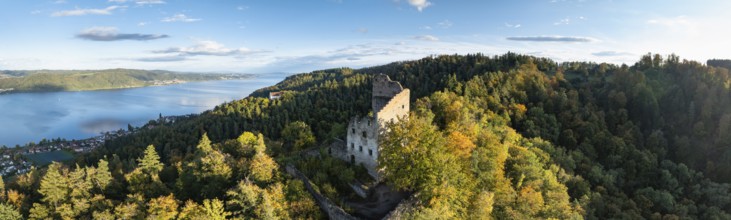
<point>390,101</point>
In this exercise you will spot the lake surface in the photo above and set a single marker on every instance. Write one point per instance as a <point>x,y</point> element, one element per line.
<point>26,117</point>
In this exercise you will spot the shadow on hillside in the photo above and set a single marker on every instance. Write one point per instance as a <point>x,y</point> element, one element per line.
<point>382,200</point>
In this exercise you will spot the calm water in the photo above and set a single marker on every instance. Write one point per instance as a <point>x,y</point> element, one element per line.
<point>77,115</point>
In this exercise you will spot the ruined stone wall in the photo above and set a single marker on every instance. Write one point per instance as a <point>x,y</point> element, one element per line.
<point>383,90</point>
<point>331,209</point>
<point>390,101</point>
<point>362,143</point>
<point>397,107</point>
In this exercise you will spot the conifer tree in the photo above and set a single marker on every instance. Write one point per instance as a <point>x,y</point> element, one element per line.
<point>54,186</point>
<point>102,177</point>
<point>150,162</point>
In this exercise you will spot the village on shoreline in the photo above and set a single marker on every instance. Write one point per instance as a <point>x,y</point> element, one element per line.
<point>22,159</point>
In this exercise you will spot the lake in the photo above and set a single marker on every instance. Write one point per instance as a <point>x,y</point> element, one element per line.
<point>26,117</point>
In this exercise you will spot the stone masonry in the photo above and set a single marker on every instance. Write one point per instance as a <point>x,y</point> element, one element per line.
<point>390,101</point>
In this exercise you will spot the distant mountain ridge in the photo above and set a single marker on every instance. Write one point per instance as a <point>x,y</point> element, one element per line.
<point>81,80</point>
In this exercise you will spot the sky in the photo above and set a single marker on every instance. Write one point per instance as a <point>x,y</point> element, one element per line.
<point>261,36</point>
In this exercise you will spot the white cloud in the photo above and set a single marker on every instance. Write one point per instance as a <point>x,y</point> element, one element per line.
<point>564,21</point>
<point>111,34</point>
<point>419,4</point>
<point>142,23</point>
<point>564,39</point>
<point>207,48</point>
<point>173,58</point>
<point>445,24</point>
<point>610,53</point>
<point>179,18</point>
<point>426,38</point>
<point>91,11</point>
<point>427,27</point>
<point>241,8</point>
<point>512,25</point>
<point>140,2</point>
<point>671,22</point>
<point>363,30</point>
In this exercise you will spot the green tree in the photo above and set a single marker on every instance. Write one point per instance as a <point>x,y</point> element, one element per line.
<point>211,169</point>
<point>164,207</point>
<point>262,167</point>
<point>150,162</point>
<point>243,198</point>
<point>2,189</point>
<point>102,177</point>
<point>297,136</point>
<point>214,209</point>
<point>54,186</point>
<point>9,213</point>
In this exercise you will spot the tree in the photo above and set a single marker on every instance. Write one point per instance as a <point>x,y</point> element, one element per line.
<point>102,177</point>
<point>150,162</point>
<point>297,136</point>
<point>273,204</point>
<point>164,207</point>
<point>192,211</point>
<point>214,209</point>
<point>2,189</point>
<point>9,212</point>
<point>54,186</point>
<point>482,206</point>
<point>210,169</point>
<point>243,198</point>
<point>262,167</point>
<point>408,153</point>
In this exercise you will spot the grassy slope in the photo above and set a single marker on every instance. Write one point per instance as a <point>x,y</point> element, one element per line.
<point>52,80</point>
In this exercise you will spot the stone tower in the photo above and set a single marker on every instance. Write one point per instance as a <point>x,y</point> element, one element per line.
<point>390,101</point>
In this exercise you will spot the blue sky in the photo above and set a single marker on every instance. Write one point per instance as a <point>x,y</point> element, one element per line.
<point>259,36</point>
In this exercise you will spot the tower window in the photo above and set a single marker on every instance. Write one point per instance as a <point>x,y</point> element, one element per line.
<point>403,106</point>
<point>353,130</point>
<point>352,146</point>
<point>370,152</point>
<point>361,148</point>
<point>365,134</point>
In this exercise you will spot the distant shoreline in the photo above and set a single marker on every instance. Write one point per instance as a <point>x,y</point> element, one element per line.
<point>96,80</point>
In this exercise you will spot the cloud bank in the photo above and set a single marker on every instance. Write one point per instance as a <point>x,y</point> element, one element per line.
<point>90,11</point>
<point>419,4</point>
<point>180,18</point>
<point>610,53</point>
<point>207,48</point>
<point>427,38</point>
<point>140,2</point>
<point>111,34</point>
<point>565,39</point>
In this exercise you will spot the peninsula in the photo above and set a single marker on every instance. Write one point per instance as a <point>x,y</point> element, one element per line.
<point>82,80</point>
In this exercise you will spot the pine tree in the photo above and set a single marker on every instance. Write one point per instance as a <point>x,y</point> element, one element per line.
<point>214,209</point>
<point>150,162</point>
<point>2,189</point>
<point>7,212</point>
<point>102,177</point>
<point>164,207</point>
<point>54,186</point>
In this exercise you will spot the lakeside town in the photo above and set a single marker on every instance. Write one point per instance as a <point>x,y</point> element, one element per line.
<point>6,90</point>
<point>20,159</point>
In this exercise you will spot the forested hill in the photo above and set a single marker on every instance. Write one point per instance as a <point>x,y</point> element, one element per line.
<point>507,137</point>
<point>78,80</point>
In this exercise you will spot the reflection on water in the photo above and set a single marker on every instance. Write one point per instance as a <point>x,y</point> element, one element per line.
<point>77,115</point>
